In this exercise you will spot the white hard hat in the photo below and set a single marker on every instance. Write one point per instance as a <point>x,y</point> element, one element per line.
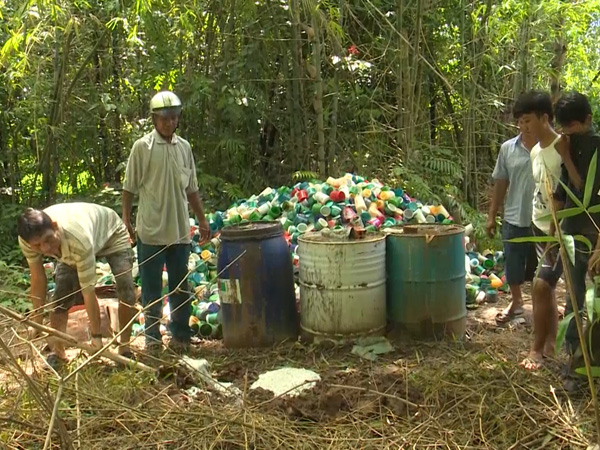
<point>165,102</point>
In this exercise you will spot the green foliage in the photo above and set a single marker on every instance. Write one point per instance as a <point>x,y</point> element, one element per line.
<point>219,194</point>
<point>562,330</point>
<point>12,293</point>
<point>10,251</point>
<point>304,175</point>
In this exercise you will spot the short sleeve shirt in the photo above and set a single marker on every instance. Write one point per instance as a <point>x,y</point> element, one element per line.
<point>514,164</point>
<point>87,231</point>
<point>546,163</point>
<point>163,174</point>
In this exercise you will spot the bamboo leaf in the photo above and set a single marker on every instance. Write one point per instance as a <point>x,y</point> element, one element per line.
<point>584,240</point>
<point>564,213</point>
<point>569,244</point>
<point>589,181</point>
<point>589,301</point>
<point>562,331</point>
<point>594,370</point>
<point>533,239</point>
<point>571,194</point>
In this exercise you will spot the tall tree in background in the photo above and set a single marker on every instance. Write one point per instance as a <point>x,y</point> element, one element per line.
<point>416,93</point>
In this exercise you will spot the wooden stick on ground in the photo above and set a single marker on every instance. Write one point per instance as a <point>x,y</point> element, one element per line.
<point>73,342</point>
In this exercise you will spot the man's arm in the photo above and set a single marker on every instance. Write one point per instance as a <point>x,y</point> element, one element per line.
<point>564,150</point>
<point>498,194</point>
<point>196,204</point>
<point>126,212</point>
<point>131,185</point>
<point>39,289</point>
<point>193,196</point>
<point>500,176</point>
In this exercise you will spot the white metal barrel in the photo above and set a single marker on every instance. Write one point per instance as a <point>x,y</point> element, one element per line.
<point>342,286</point>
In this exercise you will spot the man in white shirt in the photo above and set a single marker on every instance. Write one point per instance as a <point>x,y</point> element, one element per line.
<point>546,164</point>
<point>76,234</point>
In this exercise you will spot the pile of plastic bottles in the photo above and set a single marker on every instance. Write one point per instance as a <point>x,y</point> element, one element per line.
<point>485,276</point>
<point>346,202</point>
<point>339,205</point>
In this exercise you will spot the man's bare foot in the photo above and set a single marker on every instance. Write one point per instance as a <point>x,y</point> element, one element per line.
<point>96,343</point>
<point>125,350</point>
<point>550,350</point>
<point>534,361</point>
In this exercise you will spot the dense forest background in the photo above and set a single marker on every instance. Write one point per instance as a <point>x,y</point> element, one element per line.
<point>415,92</point>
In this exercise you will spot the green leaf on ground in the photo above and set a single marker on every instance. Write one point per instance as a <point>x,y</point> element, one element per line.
<point>562,331</point>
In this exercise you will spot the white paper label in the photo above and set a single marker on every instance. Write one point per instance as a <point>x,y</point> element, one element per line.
<point>230,292</point>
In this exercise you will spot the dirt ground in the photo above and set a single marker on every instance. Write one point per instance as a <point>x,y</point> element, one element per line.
<point>433,394</point>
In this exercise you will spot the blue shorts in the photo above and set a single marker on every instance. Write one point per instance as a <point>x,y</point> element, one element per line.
<point>520,259</point>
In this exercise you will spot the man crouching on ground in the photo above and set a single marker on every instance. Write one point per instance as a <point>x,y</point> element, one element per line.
<point>76,234</point>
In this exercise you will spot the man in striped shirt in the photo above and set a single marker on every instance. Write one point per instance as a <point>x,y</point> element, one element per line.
<point>76,234</point>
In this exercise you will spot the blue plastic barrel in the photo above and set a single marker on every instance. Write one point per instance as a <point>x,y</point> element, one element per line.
<point>256,286</point>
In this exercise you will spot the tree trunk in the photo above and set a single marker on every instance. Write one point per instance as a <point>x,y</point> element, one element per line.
<point>49,163</point>
<point>297,118</point>
<point>400,80</point>
<point>560,52</point>
<point>340,53</point>
<point>318,99</point>
<point>415,84</point>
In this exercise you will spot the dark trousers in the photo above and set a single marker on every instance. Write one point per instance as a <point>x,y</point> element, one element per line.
<point>151,264</point>
<point>578,276</point>
<point>520,258</point>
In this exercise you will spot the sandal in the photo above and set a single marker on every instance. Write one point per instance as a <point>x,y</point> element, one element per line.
<point>55,361</point>
<point>128,354</point>
<point>507,316</point>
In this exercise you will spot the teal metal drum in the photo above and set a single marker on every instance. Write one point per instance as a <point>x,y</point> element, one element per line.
<point>426,294</point>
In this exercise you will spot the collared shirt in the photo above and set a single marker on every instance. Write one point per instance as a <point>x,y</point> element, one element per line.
<point>86,231</point>
<point>163,174</point>
<point>514,164</point>
<point>546,163</point>
<point>582,147</point>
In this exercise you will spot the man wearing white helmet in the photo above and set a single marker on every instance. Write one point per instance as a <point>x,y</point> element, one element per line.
<point>162,172</point>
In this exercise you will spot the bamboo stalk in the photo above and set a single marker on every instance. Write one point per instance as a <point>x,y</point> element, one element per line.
<point>318,102</point>
<point>578,321</point>
<point>73,342</point>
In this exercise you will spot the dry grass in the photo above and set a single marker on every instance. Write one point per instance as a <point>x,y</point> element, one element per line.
<point>470,395</point>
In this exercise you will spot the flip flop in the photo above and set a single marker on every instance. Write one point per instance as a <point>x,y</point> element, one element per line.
<point>507,316</point>
<point>128,354</point>
<point>55,361</point>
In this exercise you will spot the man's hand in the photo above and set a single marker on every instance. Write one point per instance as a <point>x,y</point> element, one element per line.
<point>130,230</point>
<point>491,226</point>
<point>593,266</point>
<point>203,229</point>
<point>563,146</point>
<point>33,333</point>
<point>551,252</point>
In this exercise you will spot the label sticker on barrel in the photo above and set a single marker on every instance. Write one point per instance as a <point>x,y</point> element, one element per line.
<point>230,292</point>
